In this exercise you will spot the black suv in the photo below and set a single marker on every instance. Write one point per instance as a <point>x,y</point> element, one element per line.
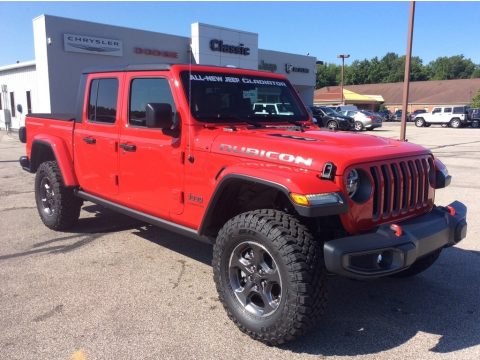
<point>474,117</point>
<point>385,114</point>
<point>330,119</point>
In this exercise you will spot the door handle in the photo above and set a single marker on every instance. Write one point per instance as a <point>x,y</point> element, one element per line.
<point>128,147</point>
<point>89,140</point>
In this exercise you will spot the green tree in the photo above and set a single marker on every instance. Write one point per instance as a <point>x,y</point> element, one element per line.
<point>476,100</point>
<point>327,75</point>
<point>454,67</point>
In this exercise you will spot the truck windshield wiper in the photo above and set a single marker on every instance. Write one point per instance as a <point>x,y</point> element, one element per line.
<point>226,117</point>
<point>281,118</point>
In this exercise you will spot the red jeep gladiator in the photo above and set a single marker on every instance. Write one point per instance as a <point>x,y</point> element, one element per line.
<point>283,202</point>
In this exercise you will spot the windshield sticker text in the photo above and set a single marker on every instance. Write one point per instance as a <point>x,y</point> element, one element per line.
<point>233,79</point>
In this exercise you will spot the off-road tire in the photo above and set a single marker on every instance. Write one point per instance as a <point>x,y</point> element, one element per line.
<point>358,126</point>
<point>419,266</point>
<point>63,208</point>
<point>455,123</point>
<point>332,125</point>
<point>419,122</point>
<point>299,260</point>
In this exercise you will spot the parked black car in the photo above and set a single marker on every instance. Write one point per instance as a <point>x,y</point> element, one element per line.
<point>411,117</point>
<point>330,119</point>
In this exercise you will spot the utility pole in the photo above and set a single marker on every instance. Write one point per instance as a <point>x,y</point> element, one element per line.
<point>406,79</point>
<point>343,57</point>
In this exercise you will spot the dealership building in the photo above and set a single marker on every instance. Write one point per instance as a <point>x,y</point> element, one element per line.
<point>64,47</point>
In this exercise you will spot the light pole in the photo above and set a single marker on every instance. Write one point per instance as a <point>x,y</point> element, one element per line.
<point>406,78</point>
<point>343,57</point>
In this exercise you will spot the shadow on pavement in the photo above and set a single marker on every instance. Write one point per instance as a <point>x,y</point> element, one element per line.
<point>362,317</point>
<point>367,317</point>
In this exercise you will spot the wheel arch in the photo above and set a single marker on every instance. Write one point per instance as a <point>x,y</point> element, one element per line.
<point>53,149</point>
<point>230,198</point>
<point>230,187</point>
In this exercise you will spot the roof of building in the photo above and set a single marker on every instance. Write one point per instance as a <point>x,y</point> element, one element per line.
<point>18,65</point>
<point>421,92</point>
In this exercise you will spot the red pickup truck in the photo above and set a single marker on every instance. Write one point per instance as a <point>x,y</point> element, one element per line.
<point>284,202</point>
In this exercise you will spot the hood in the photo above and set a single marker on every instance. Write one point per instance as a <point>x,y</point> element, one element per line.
<point>311,149</point>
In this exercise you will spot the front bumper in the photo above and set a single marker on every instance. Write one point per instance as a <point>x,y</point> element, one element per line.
<point>383,253</point>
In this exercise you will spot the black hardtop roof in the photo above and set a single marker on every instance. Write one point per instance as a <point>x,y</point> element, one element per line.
<point>119,68</point>
<point>149,67</point>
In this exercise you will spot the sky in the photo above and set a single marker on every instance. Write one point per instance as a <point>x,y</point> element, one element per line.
<point>322,29</point>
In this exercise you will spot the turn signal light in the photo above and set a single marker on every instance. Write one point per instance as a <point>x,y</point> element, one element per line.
<point>299,199</point>
<point>397,229</point>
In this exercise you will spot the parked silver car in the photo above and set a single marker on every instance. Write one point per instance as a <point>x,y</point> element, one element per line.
<point>364,119</point>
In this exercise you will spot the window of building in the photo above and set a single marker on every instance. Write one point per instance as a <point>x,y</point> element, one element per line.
<point>29,103</point>
<point>145,91</point>
<point>12,104</point>
<point>102,103</point>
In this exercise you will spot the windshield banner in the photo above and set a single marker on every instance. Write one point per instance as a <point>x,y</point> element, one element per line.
<point>235,79</point>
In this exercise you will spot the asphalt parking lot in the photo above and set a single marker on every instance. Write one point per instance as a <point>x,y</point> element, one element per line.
<point>115,288</point>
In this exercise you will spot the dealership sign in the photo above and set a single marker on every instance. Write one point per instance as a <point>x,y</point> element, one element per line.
<point>219,45</point>
<point>92,45</point>
<point>290,68</point>
<point>155,52</point>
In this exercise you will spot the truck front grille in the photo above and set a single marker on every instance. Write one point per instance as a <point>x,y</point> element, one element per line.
<point>400,186</point>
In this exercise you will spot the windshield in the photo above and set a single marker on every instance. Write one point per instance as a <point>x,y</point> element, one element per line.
<point>233,97</point>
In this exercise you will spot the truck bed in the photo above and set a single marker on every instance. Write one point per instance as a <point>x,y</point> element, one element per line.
<point>48,126</point>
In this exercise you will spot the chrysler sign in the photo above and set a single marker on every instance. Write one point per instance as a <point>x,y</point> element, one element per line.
<point>92,45</point>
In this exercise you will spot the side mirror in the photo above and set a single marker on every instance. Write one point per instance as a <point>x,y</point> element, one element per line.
<point>159,115</point>
<point>19,108</point>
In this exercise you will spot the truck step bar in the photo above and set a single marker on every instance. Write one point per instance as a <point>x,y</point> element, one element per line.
<point>167,225</point>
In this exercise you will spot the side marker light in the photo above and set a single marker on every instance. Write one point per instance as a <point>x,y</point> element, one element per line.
<point>397,229</point>
<point>451,210</point>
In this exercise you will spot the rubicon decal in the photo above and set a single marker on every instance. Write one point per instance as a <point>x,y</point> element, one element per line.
<point>273,155</point>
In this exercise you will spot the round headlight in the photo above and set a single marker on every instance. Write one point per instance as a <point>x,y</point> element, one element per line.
<point>352,183</point>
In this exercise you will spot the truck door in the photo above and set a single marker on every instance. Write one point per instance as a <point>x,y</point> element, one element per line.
<point>150,162</point>
<point>95,138</point>
<point>436,115</point>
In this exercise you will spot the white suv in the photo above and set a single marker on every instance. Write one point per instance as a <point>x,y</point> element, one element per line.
<point>272,108</point>
<point>453,116</point>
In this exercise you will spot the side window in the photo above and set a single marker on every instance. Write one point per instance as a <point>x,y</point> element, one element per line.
<point>102,101</point>
<point>12,104</point>
<point>447,110</point>
<point>436,110</point>
<point>29,102</point>
<point>145,91</point>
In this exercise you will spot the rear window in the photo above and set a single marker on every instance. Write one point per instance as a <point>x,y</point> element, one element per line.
<point>459,110</point>
<point>102,103</point>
